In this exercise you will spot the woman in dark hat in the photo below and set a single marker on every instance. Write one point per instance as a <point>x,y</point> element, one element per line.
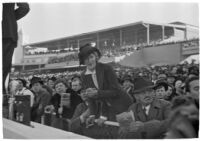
<point>100,83</point>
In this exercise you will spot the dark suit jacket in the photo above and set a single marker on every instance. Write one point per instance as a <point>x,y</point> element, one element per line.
<point>109,91</point>
<point>75,99</point>
<point>41,100</point>
<point>10,17</point>
<point>155,123</point>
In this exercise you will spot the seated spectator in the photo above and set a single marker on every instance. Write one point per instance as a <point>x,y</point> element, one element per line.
<point>128,85</point>
<point>62,100</point>
<point>193,71</point>
<point>62,105</point>
<point>75,93</point>
<point>170,93</point>
<point>179,87</point>
<point>171,79</point>
<point>78,121</point>
<point>22,90</point>
<point>42,98</point>
<point>162,76</point>
<point>149,114</point>
<point>192,87</point>
<point>50,84</point>
<point>161,90</point>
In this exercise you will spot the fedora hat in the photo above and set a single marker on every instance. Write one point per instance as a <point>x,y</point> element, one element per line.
<point>142,84</point>
<point>85,51</point>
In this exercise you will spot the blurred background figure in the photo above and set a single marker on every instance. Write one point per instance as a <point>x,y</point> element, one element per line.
<point>184,119</point>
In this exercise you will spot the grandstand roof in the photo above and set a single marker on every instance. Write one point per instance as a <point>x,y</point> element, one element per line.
<point>175,25</point>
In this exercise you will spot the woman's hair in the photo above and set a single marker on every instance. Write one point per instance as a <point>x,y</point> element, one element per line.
<point>23,81</point>
<point>60,81</point>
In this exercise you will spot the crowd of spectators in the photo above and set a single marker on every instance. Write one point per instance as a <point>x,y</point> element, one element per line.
<point>176,85</point>
<point>50,52</point>
<point>66,58</point>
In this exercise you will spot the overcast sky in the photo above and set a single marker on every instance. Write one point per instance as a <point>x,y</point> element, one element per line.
<point>47,21</point>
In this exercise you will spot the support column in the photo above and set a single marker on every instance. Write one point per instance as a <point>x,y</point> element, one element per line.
<point>163,32</point>
<point>67,44</point>
<point>78,43</point>
<point>120,37</point>
<point>185,34</point>
<point>147,34</point>
<point>39,67</point>
<point>98,41</point>
<point>23,67</point>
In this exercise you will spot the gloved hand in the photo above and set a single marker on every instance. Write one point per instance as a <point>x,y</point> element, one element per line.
<point>90,121</point>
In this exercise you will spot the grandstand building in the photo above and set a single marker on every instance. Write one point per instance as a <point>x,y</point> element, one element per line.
<point>112,42</point>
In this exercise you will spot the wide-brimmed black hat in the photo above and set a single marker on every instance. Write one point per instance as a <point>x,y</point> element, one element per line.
<point>142,84</point>
<point>85,51</point>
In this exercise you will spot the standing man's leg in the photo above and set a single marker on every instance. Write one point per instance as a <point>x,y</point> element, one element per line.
<point>8,50</point>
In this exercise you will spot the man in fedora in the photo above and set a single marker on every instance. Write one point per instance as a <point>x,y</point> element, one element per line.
<point>149,114</point>
<point>106,97</point>
<point>42,98</point>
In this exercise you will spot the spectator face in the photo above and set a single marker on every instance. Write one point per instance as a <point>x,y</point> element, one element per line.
<point>90,62</point>
<point>170,80</point>
<point>169,91</point>
<point>36,87</point>
<point>154,77</point>
<point>194,88</point>
<point>161,93</point>
<point>20,85</point>
<point>162,76</point>
<point>84,95</point>
<point>51,83</point>
<point>60,88</point>
<point>178,84</point>
<point>76,86</point>
<point>145,97</point>
<point>174,70</point>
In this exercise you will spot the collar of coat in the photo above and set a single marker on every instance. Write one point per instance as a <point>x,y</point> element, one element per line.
<point>99,74</point>
<point>155,104</point>
<point>90,72</point>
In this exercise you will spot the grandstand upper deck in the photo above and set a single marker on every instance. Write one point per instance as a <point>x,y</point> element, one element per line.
<point>116,37</point>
